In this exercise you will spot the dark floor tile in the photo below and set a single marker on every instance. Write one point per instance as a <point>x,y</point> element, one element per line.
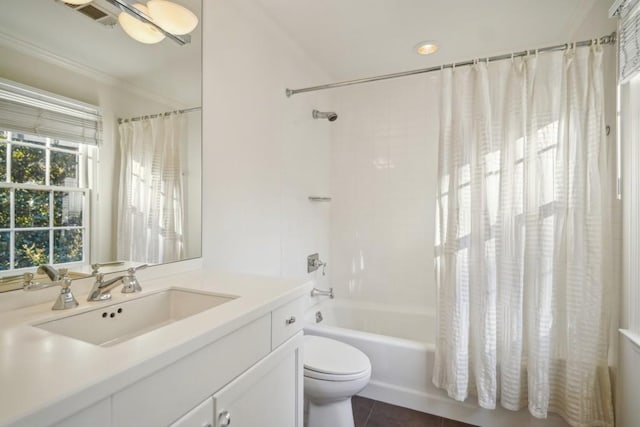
<point>453,423</point>
<point>385,415</point>
<point>361,410</point>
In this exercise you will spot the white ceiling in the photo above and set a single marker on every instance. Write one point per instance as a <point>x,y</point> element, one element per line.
<point>358,38</point>
<point>347,38</point>
<point>166,70</point>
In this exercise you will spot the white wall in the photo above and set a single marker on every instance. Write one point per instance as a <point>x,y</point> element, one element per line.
<point>263,153</point>
<point>628,369</point>
<point>384,158</point>
<point>192,180</point>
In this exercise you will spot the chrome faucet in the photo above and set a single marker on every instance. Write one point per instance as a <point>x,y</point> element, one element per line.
<point>322,292</point>
<point>58,278</point>
<point>51,272</point>
<point>101,290</point>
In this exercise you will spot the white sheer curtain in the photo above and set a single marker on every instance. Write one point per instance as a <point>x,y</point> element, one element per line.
<point>524,202</point>
<point>150,212</point>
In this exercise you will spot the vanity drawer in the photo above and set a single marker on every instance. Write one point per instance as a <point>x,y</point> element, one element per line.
<point>286,321</point>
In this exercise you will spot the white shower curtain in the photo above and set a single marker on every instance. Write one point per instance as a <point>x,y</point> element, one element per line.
<point>524,203</point>
<point>150,211</point>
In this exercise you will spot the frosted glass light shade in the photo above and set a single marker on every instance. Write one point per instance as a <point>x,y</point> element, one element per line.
<point>77,2</point>
<point>138,30</point>
<point>172,17</point>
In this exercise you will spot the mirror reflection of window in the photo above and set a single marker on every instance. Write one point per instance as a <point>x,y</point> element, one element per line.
<point>44,197</point>
<point>44,190</point>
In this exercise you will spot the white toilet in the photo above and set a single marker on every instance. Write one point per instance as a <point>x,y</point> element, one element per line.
<point>333,372</point>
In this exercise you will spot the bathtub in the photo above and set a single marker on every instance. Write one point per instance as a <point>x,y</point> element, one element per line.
<point>400,345</point>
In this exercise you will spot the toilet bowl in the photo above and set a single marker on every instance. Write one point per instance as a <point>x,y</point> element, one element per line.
<point>333,373</point>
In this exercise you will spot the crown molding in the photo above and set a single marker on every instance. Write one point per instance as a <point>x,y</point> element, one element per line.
<point>35,51</point>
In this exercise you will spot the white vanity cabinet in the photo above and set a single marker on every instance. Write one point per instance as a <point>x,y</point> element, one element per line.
<point>200,416</point>
<point>250,377</point>
<point>267,395</point>
<point>169,393</point>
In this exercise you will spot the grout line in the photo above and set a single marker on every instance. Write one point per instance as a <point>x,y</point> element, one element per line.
<point>370,413</point>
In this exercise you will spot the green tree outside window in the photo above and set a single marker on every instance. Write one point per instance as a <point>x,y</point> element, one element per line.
<point>39,225</point>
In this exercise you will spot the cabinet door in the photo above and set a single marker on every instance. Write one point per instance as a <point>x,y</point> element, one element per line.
<point>200,416</point>
<point>267,395</point>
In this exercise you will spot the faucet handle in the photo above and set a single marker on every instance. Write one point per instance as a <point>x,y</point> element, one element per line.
<point>130,282</point>
<point>28,284</point>
<point>96,266</point>
<point>65,299</point>
<point>132,270</point>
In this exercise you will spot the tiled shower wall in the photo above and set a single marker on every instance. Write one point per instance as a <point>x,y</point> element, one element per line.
<point>384,153</point>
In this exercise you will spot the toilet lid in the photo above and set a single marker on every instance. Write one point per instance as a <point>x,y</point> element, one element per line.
<point>327,356</point>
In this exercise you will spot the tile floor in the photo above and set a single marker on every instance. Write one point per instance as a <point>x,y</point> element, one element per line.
<point>371,413</point>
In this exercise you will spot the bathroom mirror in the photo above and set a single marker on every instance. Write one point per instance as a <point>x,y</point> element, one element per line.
<point>82,53</point>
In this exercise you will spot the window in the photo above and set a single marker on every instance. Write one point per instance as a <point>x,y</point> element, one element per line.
<point>43,201</point>
<point>545,139</point>
<point>45,143</point>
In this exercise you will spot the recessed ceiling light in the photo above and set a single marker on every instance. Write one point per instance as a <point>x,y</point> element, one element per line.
<point>426,47</point>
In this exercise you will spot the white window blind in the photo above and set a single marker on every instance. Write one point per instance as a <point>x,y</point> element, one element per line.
<point>629,37</point>
<point>33,111</point>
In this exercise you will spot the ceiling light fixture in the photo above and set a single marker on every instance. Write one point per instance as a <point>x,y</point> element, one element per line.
<point>426,47</point>
<point>164,17</point>
<point>172,17</point>
<point>138,30</point>
<point>77,2</point>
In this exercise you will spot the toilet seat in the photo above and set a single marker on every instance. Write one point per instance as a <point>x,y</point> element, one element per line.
<point>330,360</point>
<point>329,377</point>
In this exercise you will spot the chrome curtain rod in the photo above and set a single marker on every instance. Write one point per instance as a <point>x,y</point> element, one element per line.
<point>609,39</point>
<point>153,116</point>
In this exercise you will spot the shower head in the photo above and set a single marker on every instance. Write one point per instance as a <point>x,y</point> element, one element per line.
<point>331,116</point>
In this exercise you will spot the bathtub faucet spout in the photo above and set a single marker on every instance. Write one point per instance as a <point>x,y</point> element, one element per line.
<point>322,292</point>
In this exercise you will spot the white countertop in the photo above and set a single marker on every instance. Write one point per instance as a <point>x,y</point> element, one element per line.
<point>631,336</point>
<point>46,377</point>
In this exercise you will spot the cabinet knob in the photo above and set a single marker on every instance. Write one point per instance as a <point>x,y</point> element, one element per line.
<point>224,419</point>
<point>290,320</point>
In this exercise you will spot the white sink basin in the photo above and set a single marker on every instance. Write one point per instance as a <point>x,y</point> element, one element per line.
<point>115,323</point>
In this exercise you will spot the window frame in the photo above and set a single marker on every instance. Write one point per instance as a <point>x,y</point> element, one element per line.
<point>9,276</point>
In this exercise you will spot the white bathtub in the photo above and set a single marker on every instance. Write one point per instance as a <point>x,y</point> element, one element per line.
<point>400,345</point>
